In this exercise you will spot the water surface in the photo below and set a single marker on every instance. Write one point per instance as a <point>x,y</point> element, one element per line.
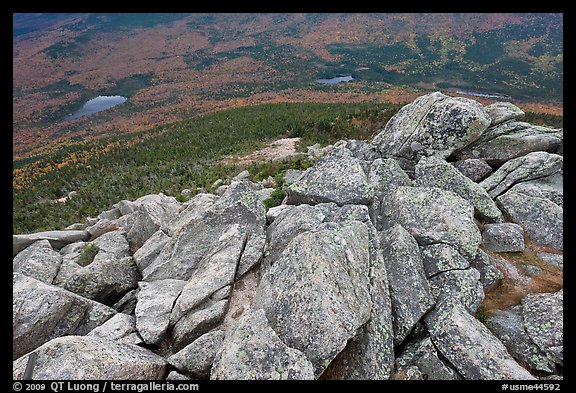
<point>95,105</point>
<point>336,79</point>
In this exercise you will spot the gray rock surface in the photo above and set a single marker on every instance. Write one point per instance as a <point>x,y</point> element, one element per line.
<point>121,327</point>
<point>474,168</point>
<point>287,226</point>
<point>241,176</point>
<point>41,312</point>
<point>152,212</point>
<point>541,219</point>
<point>292,176</point>
<point>316,294</point>
<point>548,187</point>
<point>199,321</point>
<point>176,376</point>
<point>212,274</point>
<point>504,237</point>
<point>57,239</point>
<point>153,307</point>
<point>385,175</point>
<point>462,286</point>
<point>254,351</point>
<point>337,177</point>
<point>39,261</point>
<point>528,167</point>
<point>489,273</point>
<point>196,358</point>
<point>438,123</point>
<point>511,140</point>
<point>543,319</point>
<point>370,354</point>
<point>150,250</point>
<point>552,259</point>
<point>409,290</point>
<point>91,358</point>
<point>469,346</point>
<point>275,211</point>
<point>422,355</point>
<point>433,215</point>
<point>500,112</point>
<point>435,172</point>
<point>508,326</point>
<point>110,275</point>
<point>196,241</point>
<point>437,258</point>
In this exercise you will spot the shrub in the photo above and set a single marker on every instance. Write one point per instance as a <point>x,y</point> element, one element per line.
<point>87,255</point>
<point>275,199</point>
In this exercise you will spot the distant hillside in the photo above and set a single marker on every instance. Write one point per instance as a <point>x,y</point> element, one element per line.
<point>173,66</point>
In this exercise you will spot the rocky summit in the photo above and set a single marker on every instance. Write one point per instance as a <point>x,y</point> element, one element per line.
<point>385,260</point>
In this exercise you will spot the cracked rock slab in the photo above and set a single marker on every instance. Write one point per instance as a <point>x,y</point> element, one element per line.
<point>255,352</point>
<point>153,307</point>
<point>437,123</point>
<point>338,177</point>
<point>316,294</point>
<point>91,358</point>
<point>543,319</point>
<point>469,346</point>
<point>42,312</point>
<point>409,290</point>
<point>436,172</point>
<point>433,215</point>
<point>39,261</point>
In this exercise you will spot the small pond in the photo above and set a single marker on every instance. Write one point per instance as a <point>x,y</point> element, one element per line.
<point>98,104</point>
<point>336,79</point>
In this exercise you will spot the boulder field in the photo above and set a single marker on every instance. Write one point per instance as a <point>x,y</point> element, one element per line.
<point>375,266</point>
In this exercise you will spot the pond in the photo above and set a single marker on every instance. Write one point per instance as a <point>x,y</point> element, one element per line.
<point>336,79</point>
<point>98,104</point>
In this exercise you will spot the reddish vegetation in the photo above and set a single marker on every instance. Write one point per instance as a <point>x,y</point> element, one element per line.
<point>509,292</point>
<point>178,91</point>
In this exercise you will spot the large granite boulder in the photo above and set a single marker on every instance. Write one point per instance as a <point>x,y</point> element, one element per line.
<point>153,307</point>
<point>41,312</point>
<point>541,219</point>
<point>91,358</point>
<point>196,241</point>
<point>409,290</point>
<point>469,346</point>
<point>39,261</point>
<point>196,358</point>
<point>521,169</point>
<point>151,212</point>
<point>543,315</point>
<point>110,275</point>
<point>370,354</point>
<point>510,140</point>
<point>420,359</point>
<point>500,112</point>
<point>338,177</point>
<point>474,168</point>
<point>504,237</point>
<point>254,351</point>
<point>433,215</point>
<point>462,286</point>
<point>436,172</point>
<point>439,258</point>
<point>57,239</point>
<point>385,176</point>
<point>434,124</point>
<point>508,326</point>
<point>316,294</point>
